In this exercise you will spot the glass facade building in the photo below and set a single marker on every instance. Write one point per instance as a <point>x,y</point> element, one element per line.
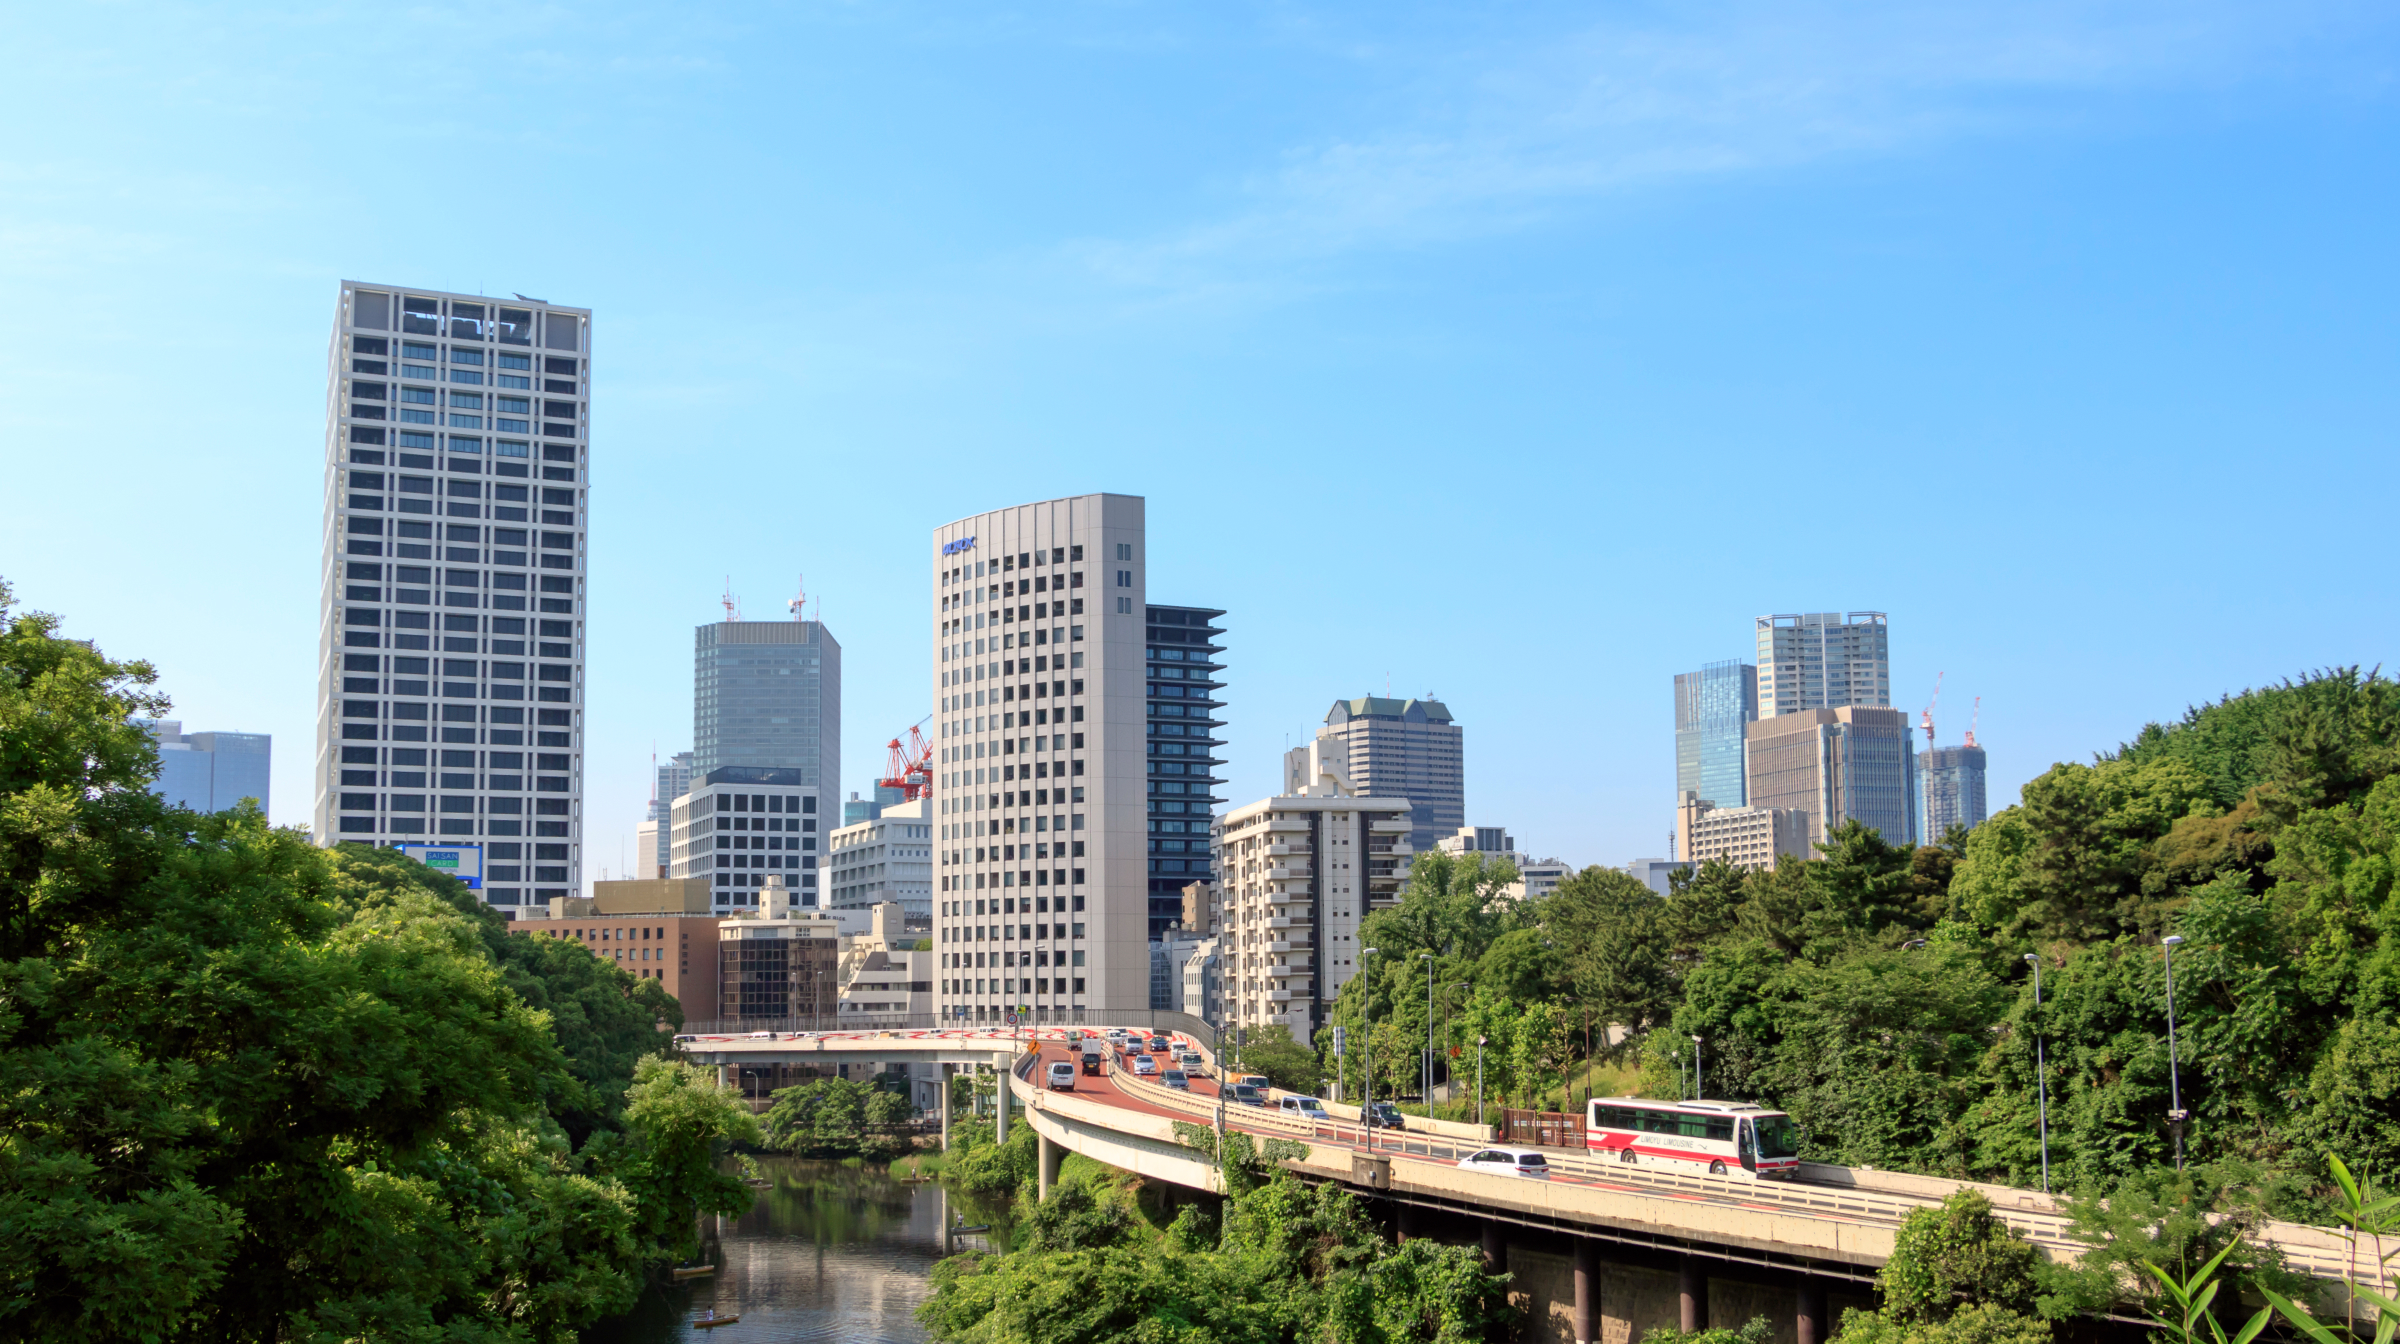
<point>1950,790</point>
<point>1182,664</point>
<point>1838,765</point>
<point>769,694</point>
<point>1713,710</point>
<point>209,772</point>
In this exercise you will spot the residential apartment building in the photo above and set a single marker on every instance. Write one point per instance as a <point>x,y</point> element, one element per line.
<point>1746,837</point>
<point>1039,624</point>
<point>769,694</point>
<point>1300,872</point>
<point>1183,665</point>
<point>210,772</point>
<point>1713,710</point>
<point>451,630</point>
<point>743,828</point>
<point>1950,782</point>
<point>886,858</point>
<point>1388,748</point>
<point>1837,765</point>
<point>656,929</point>
<point>1822,660</point>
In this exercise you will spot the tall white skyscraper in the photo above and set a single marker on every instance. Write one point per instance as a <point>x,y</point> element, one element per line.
<point>1823,660</point>
<point>1040,886</point>
<point>451,637</point>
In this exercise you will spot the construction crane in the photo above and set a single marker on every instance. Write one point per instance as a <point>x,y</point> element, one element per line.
<point>1975,722</point>
<point>909,769</point>
<point>1926,719</point>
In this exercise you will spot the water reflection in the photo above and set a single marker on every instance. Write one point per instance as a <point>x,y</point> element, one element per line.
<point>829,1253</point>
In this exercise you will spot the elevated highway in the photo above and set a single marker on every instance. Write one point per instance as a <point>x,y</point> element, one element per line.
<point>1792,1250</point>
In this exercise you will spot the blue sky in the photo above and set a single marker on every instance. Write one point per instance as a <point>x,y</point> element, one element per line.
<point>1521,354</point>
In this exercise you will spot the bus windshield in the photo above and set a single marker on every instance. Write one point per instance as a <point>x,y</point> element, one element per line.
<point>1776,1137</point>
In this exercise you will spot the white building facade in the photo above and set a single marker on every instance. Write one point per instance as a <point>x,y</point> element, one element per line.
<point>745,829</point>
<point>886,859</point>
<point>1822,660</point>
<point>1040,876</point>
<point>451,621</point>
<point>1298,873</point>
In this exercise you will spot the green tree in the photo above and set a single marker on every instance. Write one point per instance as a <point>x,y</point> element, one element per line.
<point>1286,1063</point>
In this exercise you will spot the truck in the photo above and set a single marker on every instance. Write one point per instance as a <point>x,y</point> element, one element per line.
<point>1094,1051</point>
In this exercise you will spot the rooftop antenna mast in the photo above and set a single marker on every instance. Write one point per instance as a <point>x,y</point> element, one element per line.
<point>1975,721</point>
<point>799,600</point>
<point>1925,720</point>
<point>733,606</point>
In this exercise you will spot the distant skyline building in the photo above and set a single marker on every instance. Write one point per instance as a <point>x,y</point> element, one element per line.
<point>744,828</point>
<point>769,694</point>
<point>1713,710</point>
<point>655,837</point>
<point>1951,790</point>
<point>1837,765</point>
<point>1301,871</point>
<point>1182,663</point>
<point>1041,784</point>
<point>885,859</point>
<point>1822,660</point>
<point>1746,837</point>
<point>1409,749</point>
<point>210,772</point>
<point>450,634</point>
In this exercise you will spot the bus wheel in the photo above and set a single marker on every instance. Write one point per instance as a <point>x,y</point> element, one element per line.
<point>1626,1156</point>
<point>1716,1168</point>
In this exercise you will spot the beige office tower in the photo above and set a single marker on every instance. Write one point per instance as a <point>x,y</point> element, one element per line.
<point>1822,660</point>
<point>1041,895</point>
<point>451,625</point>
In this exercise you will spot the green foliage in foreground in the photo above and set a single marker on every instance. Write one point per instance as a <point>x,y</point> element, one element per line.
<point>251,1089</point>
<point>1957,1275</point>
<point>1286,1263</point>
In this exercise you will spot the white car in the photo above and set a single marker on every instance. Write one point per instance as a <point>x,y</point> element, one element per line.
<point>1307,1108</point>
<point>1145,1065</point>
<point>1062,1075</point>
<point>1508,1162</point>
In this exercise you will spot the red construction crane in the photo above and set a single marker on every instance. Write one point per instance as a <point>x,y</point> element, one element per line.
<point>909,769</point>
<point>1926,719</point>
<point>1975,722</point>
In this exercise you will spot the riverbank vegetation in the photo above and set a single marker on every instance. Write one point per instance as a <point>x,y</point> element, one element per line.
<point>1884,994</point>
<point>252,1089</point>
<point>838,1117</point>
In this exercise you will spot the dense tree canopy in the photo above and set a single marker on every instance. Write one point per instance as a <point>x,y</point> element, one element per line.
<point>254,1089</point>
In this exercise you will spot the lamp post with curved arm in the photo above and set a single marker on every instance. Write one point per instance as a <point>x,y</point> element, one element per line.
<point>2176,1115</point>
<point>1366,1041</point>
<point>2041,1067</point>
<point>1427,958</point>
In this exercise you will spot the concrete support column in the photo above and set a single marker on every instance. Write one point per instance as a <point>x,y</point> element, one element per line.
<point>1404,1223</point>
<point>1587,1292</point>
<point>1050,1157</point>
<point>942,1078</point>
<point>722,1079</point>
<point>1495,1250</point>
<point>1000,1096</point>
<point>1812,1312</point>
<point>1694,1292</point>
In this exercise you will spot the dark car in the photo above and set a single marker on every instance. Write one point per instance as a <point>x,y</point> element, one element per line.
<point>1247,1095</point>
<point>1159,1045</point>
<point>1387,1116</point>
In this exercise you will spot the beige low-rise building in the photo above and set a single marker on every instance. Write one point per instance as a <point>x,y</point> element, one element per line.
<point>1298,874</point>
<point>1746,837</point>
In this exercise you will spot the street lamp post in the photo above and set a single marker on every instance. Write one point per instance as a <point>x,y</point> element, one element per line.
<point>2041,1068</point>
<point>1479,1078</point>
<point>1698,1091</point>
<point>1449,1014</point>
<point>2176,1115</point>
<point>1366,1042</point>
<point>1427,958</point>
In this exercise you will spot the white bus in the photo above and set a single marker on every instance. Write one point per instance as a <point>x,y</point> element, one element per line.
<point>1722,1137</point>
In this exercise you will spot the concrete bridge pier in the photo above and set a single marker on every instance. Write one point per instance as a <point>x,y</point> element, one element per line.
<point>944,1078</point>
<point>1001,1062</point>
<point>1811,1316</point>
<point>1049,1158</point>
<point>1587,1292</point>
<point>1495,1250</point>
<point>1693,1291</point>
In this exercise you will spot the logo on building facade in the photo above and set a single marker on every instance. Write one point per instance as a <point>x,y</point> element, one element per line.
<point>962,544</point>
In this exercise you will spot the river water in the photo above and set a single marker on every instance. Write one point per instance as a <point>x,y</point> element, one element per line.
<point>830,1253</point>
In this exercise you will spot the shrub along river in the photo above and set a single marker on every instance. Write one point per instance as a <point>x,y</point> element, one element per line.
<point>831,1252</point>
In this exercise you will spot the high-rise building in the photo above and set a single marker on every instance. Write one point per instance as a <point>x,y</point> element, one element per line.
<point>1713,708</point>
<point>1950,782</point>
<point>1837,765</point>
<point>769,694</point>
<point>655,837</point>
<point>1182,667</point>
<point>451,631</point>
<point>209,772</point>
<point>1408,749</point>
<point>1301,871</point>
<point>748,827</point>
<point>1041,785</point>
<point>1822,660</point>
<point>885,859</point>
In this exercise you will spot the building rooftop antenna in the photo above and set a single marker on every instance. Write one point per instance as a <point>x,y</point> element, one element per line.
<point>1975,721</point>
<point>733,607</point>
<point>1926,719</point>
<point>799,600</point>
